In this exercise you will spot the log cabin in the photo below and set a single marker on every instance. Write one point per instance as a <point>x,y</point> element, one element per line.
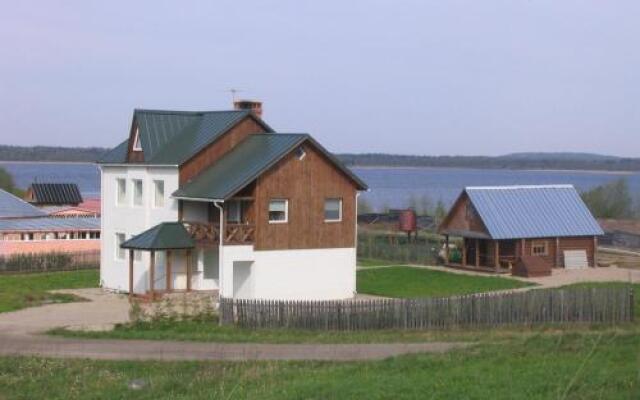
<point>218,201</point>
<point>525,230</point>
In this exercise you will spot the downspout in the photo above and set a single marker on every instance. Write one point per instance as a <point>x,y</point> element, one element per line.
<point>355,245</point>
<point>217,204</point>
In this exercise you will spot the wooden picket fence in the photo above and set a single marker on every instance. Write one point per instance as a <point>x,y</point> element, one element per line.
<point>602,305</point>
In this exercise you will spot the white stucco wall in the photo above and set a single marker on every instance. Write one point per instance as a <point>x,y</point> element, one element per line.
<point>313,274</point>
<point>131,220</point>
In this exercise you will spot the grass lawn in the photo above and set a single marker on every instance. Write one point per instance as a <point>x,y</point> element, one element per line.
<point>28,290</point>
<point>368,262</point>
<point>409,282</point>
<point>567,366</point>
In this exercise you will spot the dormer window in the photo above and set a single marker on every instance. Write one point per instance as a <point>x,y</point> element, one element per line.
<point>137,146</point>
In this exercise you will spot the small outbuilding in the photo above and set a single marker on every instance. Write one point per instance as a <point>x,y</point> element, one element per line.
<point>53,194</point>
<point>527,230</point>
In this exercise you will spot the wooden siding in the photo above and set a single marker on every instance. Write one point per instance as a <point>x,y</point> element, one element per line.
<point>212,153</point>
<point>305,184</point>
<point>463,217</point>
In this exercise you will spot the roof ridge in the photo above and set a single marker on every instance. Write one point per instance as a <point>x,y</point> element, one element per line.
<point>509,187</point>
<point>185,112</point>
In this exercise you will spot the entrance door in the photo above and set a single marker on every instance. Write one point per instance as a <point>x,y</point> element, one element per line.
<point>242,280</point>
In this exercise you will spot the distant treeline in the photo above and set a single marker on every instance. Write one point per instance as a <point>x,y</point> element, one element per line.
<point>568,161</point>
<point>50,153</point>
<point>516,161</point>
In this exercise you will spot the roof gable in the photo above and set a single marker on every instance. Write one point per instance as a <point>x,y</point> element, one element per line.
<point>172,137</point>
<point>14,207</point>
<point>246,162</point>
<point>510,212</point>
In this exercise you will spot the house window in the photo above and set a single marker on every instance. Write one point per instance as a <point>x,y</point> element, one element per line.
<point>120,252</point>
<point>278,211</point>
<point>137,146</point>
<point>333,210</point>
<point>158,194</point>
<point>539,248</point>
<point>234,211</point>
<point>122,191</point>
<point>137,192</point>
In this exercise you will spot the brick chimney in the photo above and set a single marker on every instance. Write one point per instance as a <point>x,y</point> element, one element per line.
<point>252,105</point>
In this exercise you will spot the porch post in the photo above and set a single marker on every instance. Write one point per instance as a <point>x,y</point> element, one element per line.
<point>557,254</point>
<point>446,249</point>
<point>168,272</point>
<point>152,271</point>
<point>496,256</point>
<point>477,253</point>
<point>130,273</point>
<point>464,251</point>
<point>188,270</point>
<point>595,251</point>
<point>523,247</point>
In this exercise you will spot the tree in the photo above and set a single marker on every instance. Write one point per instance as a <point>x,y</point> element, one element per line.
<point>364,207</point>
<point>6,183</point>
<point>439,213</point>
<point>611,200</point>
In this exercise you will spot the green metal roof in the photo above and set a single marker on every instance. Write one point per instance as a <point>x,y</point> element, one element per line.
<point>164,236</point>
<point>246,162</point>
<point>172,137</point>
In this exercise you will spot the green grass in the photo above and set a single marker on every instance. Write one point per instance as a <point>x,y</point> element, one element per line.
<point>570,366</point>
<point>28,290</point>
<point>409,282</point>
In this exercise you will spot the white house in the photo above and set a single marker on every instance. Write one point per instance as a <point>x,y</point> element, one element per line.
<point>219,201</point>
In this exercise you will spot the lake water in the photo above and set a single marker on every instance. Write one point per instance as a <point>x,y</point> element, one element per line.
<point>389,187</point>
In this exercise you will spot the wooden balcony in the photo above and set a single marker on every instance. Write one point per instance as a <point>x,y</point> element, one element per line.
<point>207,234</point>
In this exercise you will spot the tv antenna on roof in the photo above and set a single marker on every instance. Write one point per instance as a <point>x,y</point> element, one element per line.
<point>234,92</point>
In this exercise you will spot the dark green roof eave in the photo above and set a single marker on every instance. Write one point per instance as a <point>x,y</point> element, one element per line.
<point>164,236</point>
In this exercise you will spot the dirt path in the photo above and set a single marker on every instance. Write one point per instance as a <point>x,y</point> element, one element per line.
<point>21,333</point>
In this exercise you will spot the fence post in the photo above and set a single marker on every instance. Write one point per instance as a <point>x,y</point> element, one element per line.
<point>631,303</point>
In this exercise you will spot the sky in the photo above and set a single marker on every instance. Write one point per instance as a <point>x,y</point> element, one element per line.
<point>406,77</point>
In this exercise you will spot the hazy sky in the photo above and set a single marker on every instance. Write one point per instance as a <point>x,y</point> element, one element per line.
<point>416,77</point>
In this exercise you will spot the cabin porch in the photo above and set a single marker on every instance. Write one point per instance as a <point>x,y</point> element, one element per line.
<point>487,255</point>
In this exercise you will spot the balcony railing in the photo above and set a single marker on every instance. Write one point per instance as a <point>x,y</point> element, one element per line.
<point>207,234</point>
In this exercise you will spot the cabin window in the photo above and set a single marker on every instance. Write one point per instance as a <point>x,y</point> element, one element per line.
<point>137,146</point>
<point>120,252</point>
<point>278,211</point>
<point>137,192</point>
<point>158,194</point>
<point>234,211</point>
<point>539,248</point>
<point>333,210</point>
<point>122,191</point>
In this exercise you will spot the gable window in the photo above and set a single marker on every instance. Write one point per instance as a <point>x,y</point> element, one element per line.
<point>158,194</point>
<point>333,210</point>
<point>120,252</point>
<point>137,192</point>
<point>278,211</point>
<point>539,248</point>
<point>122,191</point>
<point>137,146</point>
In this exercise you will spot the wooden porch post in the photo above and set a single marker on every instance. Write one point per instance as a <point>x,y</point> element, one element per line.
<point>188,270</point>
<point>496,256</point>
<point>477,253</point>
<point>130,273</point>
<point>446,249</point>
<point>557,254</point>
<point>523,247</point>
<point>152,271</point>
<point>595,251</point>
<point>169,273</point>
<point>464,252</point>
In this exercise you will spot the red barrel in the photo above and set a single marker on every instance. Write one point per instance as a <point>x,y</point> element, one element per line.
<point>407,222</point>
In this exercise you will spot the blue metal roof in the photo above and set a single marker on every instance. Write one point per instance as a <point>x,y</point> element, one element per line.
<point>50,224</point>
<point>513,212</point>
<point>14,207</point>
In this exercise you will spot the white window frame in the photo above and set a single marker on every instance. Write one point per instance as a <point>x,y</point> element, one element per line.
<point>133,195</point>
<point>286,211</point>
<point>324,211</point>
<point>155,193</point>
<point>537,243</point>
<point>137,146</point>
<point>120,202</point>
<point>118,255</point>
